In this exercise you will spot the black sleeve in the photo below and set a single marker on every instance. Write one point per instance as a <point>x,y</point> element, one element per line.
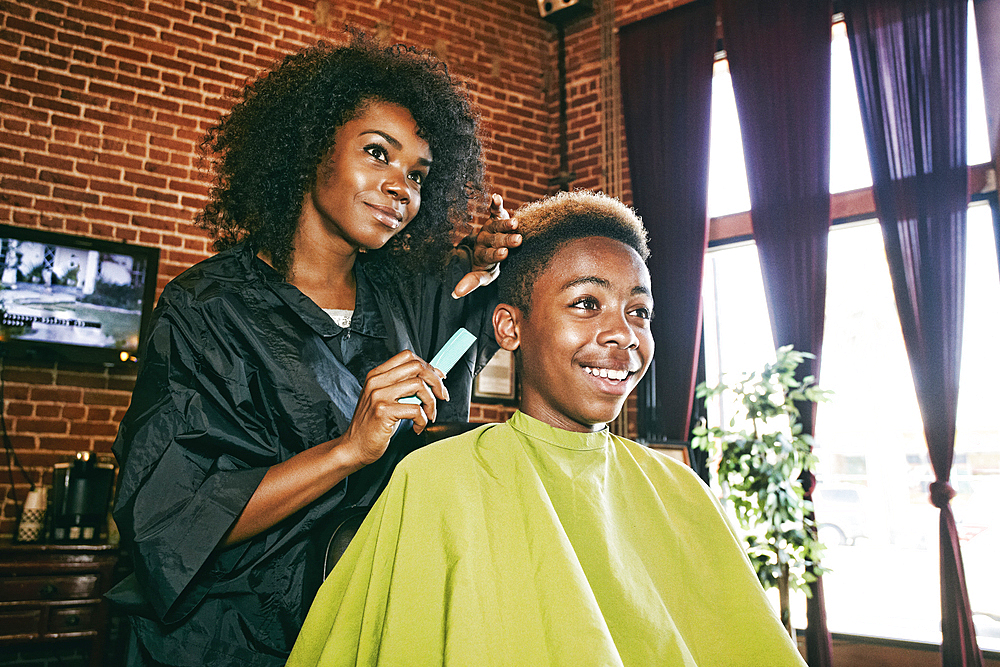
<point>191,455</point>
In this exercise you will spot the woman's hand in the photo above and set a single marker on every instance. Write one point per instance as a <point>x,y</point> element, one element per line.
<point>493,242</point>
<point>379,411</point>
<point>290,485</point>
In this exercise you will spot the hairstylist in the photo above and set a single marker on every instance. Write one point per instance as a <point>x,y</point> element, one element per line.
<point>266,401</point>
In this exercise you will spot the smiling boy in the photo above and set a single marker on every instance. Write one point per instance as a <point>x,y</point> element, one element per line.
<point>547,540</point>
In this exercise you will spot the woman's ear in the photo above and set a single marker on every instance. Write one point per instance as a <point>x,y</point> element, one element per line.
<point>507,326</point>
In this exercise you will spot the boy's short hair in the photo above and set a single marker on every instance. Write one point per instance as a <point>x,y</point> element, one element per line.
<point>550,223</point>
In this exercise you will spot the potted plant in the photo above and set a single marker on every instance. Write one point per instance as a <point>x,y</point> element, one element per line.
<point>759,458</point>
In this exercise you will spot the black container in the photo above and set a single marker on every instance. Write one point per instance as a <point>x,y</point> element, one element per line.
<point>81,491</point>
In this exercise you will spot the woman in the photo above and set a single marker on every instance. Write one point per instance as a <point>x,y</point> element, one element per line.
<point>267,400</point>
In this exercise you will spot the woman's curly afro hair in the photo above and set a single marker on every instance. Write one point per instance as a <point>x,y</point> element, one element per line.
<point>267,149</point>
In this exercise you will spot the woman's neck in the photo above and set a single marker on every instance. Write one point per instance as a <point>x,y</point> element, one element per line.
<point>321,269</point>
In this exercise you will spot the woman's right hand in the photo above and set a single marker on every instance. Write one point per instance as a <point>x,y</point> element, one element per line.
<point>294,483</point>
<point>379,411</point>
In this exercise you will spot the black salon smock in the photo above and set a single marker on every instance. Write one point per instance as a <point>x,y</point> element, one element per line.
<point>242,371</point>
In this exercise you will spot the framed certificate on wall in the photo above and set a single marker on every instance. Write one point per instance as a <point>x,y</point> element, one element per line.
<point>678,449</point>
<point>496,383</point>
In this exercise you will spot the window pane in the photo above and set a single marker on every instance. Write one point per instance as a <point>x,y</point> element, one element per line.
<point>873,471</point>
<point>882,543</point>
<point>976,472</point>
<point>848,158</point>
<point>978,137</point>
<point>727,175</point>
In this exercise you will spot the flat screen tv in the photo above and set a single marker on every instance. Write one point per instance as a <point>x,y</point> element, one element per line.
<point>74,298</point>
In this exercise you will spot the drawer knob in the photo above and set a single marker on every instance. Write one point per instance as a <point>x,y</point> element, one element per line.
<point>49,590</point>
<point>72,621</point>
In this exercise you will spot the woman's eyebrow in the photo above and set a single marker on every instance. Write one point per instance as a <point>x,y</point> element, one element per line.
<point>391,140</point>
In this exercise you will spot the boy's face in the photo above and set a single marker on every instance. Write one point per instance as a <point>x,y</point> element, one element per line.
<point>587,341</point>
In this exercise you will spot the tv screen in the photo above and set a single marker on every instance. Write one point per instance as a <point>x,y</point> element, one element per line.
<point>73,297</point>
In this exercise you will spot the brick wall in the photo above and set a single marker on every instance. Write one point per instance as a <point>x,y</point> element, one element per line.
<point>103,104</point>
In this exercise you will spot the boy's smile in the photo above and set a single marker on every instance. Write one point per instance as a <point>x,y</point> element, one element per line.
<point>586,341</point>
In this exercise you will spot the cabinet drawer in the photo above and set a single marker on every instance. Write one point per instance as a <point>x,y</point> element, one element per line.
<point>71,619</point>
<point>49,588</point>
<point>20,623</point>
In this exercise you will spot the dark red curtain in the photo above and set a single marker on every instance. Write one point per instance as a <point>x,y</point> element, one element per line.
<point>666,81</point>
<point>910,69</point>
<point>779,58</point>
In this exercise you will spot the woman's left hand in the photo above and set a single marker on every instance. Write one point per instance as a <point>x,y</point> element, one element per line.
<point>493,242</point>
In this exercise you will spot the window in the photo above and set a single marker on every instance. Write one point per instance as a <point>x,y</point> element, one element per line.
<point>871,501</point>
<point>727,181</point>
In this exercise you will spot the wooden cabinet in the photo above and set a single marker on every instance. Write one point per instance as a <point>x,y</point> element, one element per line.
<point>51,592</point>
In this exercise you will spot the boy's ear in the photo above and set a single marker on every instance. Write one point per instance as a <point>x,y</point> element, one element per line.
<point>507,326</point>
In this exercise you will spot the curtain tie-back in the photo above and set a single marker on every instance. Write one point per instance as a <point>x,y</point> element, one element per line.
<point>808,481</point>
<point>941,494</point>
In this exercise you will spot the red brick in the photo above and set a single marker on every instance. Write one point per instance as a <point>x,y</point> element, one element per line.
<point>156,195</point>
<point>106,35</point>
<point>127,53</point>
<point>134,28</point>
<point>102,213</point>
<point>162,167</point>
<point>145,179</point>
<point>48,411</point>
<point>120,161</point>
<point>98,414</point>
<point>168,11</point>
<point>67,444</point>
<point>62,179</point>
<point>74,412</point>
<point>99,171</point>
<point>30,27</point>
<point>105,398</point>
<point>20,409</point>
<point>33,425</point>
<point>152,223</point>
<point>83,380</point>
<point>137,82</point>
<point>169,211</point>
<point>111,91</point>
<point>18,170</point>
<point>61,208</point>
<point>219,26</point>
<point>31,458</point>
<point>126,204</point>
<point>128,235</point>
<point>113,188</point>
<point>59,22</point>
<point>23,186</point>
<point>93,429</point>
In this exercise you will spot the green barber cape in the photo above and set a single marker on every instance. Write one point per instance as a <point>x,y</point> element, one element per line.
<point>525,545</point>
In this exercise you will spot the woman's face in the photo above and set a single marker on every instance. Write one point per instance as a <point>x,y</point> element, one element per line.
<point>368,187</point>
